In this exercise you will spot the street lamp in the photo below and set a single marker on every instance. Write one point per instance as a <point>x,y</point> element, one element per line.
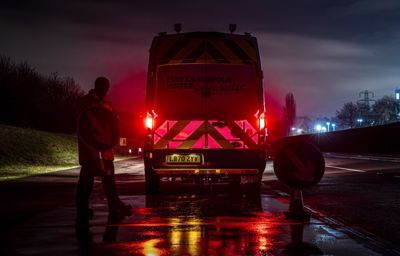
<point>359,120</point>
<point>327,125</point>
<point>318,128</point>
<point>333,126</point>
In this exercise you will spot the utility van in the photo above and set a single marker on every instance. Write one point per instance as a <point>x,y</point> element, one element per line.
<point>205,110</point>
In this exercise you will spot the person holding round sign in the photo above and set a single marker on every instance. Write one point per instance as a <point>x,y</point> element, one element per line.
<point>98,133</point>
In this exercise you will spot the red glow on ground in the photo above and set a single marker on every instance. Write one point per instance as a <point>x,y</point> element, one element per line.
<point>210,236</point>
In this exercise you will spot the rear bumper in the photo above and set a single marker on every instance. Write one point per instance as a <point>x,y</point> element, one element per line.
<point>224,172</point>
<point>214,162</point>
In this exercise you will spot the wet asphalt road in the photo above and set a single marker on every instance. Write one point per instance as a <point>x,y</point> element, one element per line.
<point>354,212</point>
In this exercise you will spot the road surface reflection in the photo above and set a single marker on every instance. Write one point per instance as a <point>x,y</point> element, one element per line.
<point>204,225</point>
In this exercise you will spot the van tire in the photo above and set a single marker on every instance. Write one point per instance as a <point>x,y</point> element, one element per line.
<point>252,189</point>
<point>152,181</point>
<point>248,189</point>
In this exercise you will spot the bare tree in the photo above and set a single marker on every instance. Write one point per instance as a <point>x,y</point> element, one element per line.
<point>386,110</point>
<point>31,100</point>
<point>347,115</point>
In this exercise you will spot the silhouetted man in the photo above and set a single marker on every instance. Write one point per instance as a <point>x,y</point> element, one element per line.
<point>95,162</point>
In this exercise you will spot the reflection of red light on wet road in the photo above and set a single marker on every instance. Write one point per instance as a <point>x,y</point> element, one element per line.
<point>149,247</point>
<point>220,235</point>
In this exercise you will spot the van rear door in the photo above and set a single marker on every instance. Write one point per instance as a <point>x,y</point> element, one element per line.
<point>206,91</point>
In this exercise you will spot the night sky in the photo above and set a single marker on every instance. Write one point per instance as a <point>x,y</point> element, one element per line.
<point>325,52</point>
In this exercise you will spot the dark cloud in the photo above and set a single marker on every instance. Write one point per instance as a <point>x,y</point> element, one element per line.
<point>325,18</point>
<point>332,71</point>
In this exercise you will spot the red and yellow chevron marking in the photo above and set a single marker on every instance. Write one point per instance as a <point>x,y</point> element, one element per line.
<point>171,134</point>
<point>186,50</point>
<point>163,46</point>
<point>225,51</point>
<point>195,50</point>
<point>242,134</point>
<point>248,47</point>
<point>202,135</point>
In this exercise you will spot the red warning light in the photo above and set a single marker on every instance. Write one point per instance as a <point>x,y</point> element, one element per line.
<point>150,119</point>
<point>261,121</point>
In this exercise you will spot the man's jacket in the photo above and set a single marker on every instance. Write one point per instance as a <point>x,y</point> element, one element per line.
<point>85,102</point>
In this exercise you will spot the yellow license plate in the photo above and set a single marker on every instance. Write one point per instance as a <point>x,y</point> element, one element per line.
<point>184,159</point>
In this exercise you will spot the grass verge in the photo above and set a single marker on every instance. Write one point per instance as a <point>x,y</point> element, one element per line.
<point>25,152</point>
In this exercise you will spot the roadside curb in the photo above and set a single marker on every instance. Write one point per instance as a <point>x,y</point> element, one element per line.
<point>389,158</point>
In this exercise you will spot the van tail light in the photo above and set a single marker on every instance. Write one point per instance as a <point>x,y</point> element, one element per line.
<point>149,121</point>
<point>261,121</point>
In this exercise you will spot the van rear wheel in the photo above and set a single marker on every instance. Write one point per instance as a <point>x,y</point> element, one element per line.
<point>252,189</point>
<point>152,181</point>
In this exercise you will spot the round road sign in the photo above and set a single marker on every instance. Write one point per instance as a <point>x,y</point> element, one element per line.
<point>98,128</point>
<point>299,165</point>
